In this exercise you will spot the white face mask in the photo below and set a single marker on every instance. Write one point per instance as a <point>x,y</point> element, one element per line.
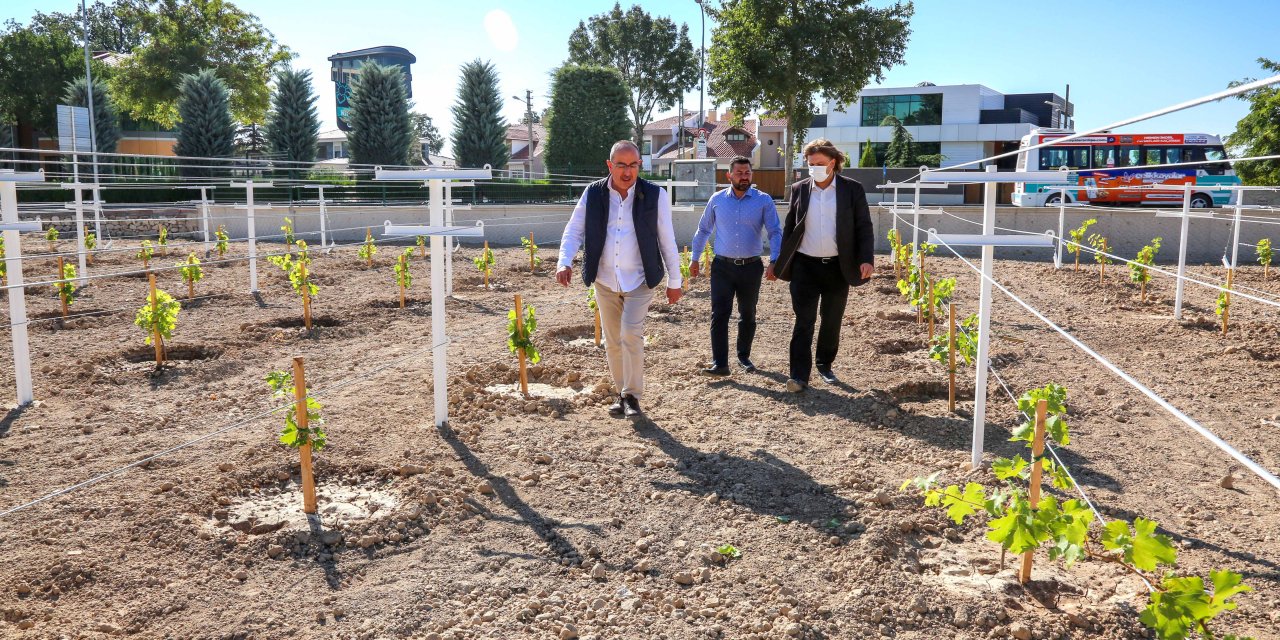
<point>818,172</point>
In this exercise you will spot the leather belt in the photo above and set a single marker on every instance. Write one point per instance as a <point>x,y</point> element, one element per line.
<point>738,261</point>
<point>825,260</point>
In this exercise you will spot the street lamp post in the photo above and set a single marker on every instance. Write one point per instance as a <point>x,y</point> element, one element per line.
<point>702,66</point>
<point>528,118</point>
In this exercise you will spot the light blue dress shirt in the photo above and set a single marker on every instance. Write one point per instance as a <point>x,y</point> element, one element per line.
<point>737,223</point>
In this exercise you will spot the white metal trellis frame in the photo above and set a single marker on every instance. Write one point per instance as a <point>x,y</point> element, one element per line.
<point>11,228</point>
<point>989,241</point>
<point>436,180</point>
<point>78,206</point>
<point>250,208</point>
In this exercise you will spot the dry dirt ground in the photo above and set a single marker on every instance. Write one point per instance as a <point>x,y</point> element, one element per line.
<point>546,518</point>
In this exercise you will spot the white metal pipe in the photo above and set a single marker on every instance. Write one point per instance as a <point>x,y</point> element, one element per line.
<point>1182,250</point>
<point>439,340</point>
<point>204,218</point>
<point>17,295</point>
<point>1062,223</point>
<point>984,322</point>
<point>1235,235</point>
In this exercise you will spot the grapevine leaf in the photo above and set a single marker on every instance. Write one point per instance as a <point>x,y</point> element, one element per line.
<point>1141,547</point>
<point>961,505</point>
<point>1006,468</point>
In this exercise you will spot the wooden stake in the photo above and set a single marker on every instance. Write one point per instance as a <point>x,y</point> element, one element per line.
<point>530,252</point>
<point>155,314</point>
<point>524,375</point>
<point>191,282</point>
<point>304,452</point>
<point>1077,259</point>
<point>951,357</point>
<point>306,295</point>
<point>485,256</point>
<point>684,284</point>
<point>88,252</point>
<point>897,240</point>
<point>1226,311</point>
<point>1144,291</point>
<point>932,310</point>
<point>60,296</point>
<point>1102,272</point>
<point>401,279</point>
<point>368,238</point>
<point>1037,471</point>
<point>597,314</point>
<point>1265,268</point>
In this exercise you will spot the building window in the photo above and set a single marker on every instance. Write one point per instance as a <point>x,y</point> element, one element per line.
<point>735,137</point>
<point>912,110</point>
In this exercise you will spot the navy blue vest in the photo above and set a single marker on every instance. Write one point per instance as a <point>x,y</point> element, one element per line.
<point>644,214</point>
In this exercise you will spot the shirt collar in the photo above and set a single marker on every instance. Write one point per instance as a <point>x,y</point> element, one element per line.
<point>751,193</point>
<point>830,188</point>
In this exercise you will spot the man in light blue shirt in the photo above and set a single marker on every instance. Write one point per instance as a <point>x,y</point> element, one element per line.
<point>736,216</point>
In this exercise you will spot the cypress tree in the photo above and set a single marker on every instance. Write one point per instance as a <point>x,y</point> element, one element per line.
<point>106,118</point>
<point>588,115</point>
<point>868,158</point>
<point>381,131</point>
<point>479,131</point>
<point>205,129</point>
<point>293,123</point>
<point>901,151</point>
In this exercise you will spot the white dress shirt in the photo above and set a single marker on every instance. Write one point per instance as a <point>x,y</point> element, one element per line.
<point>819,238</point>
<point>621,267</point>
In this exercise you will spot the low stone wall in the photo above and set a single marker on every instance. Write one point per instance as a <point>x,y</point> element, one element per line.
<point>131,223</point>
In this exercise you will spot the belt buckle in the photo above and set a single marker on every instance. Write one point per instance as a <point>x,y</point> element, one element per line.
<point>738,262</point>
<point>827,260</point>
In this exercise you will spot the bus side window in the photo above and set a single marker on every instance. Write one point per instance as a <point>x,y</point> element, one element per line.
<point>1154,155</point>
<point>1078,157</point>
<point>1104,157</point>
<point>1130,157</point>
<point>1173,155</point>
<point>1217,168</point>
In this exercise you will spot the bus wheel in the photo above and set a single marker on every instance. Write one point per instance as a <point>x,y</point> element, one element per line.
<point>1053,200</point>
<point>1201,201</point>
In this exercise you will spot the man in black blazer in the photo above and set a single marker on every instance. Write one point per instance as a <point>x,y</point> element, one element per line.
<point>827,246</point>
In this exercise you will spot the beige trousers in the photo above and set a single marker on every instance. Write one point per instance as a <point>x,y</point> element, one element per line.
<point>622,322</point>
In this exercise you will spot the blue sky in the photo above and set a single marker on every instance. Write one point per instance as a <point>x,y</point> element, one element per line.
<point>1120,58</point>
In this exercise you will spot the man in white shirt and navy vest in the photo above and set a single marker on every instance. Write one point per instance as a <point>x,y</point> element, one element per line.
<point>827,246</point>
<point>624,225</point>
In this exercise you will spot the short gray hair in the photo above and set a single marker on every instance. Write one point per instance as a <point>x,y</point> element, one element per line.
<point>620,145</point>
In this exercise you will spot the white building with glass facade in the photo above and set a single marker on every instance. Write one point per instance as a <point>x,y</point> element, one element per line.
<point>963,122</point>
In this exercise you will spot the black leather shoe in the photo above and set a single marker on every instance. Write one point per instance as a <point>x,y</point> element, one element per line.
<point>631,407</point>
<point>747,365</point>
<point>827,376</point>
<point>618,407</point>
<point>716,371</point>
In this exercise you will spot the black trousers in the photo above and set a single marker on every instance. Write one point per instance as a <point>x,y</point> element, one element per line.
<point>730,280</point>
<point>817,288</point>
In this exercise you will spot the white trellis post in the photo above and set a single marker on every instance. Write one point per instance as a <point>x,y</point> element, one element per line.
<point>250,208</point>
<point>988,240</point>
<point>204,218</point>
<point>1182,250</point>
<point>449,208</point>
<point>436,180</point>
<point>12,228</point>
<point>78,206</point>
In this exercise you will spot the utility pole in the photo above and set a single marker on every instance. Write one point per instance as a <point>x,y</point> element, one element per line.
<point>528,118</point>
<point>88,87</point>
<point>702,69</point>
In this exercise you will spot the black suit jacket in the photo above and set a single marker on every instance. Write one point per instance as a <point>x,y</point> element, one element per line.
<point>855,237</point>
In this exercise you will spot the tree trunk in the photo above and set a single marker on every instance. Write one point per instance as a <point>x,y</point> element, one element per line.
<point>788,148</point>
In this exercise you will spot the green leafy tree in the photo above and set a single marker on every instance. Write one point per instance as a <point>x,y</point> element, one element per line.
<point>113,27</point>
<point>381,131</point>
<point>162,239</point>
<point>106,118</point>
<point>35,67</point>
<point>479,130</point>
<point>51,236</point>
<point>292,128</point>
<point>901,151</point>
<point>775,56</point>
<point>1139,269</point>
<point>206,130</point>
<point>654,56</point>
<point>185,37</point>
<point>145,252</point>
<point>222,238</point>
<point>403,269</point>
<point>868,158</point>
<point>1263,252</point>
<point>1258,133</point>
<point>286,230</point>
<point>368,249</point>
<point>191,273</point>
<point>588,115</point>
<point>1077,239</point>
<point>484,262</point>
<point>966,342</point>
<point>425,132</point>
